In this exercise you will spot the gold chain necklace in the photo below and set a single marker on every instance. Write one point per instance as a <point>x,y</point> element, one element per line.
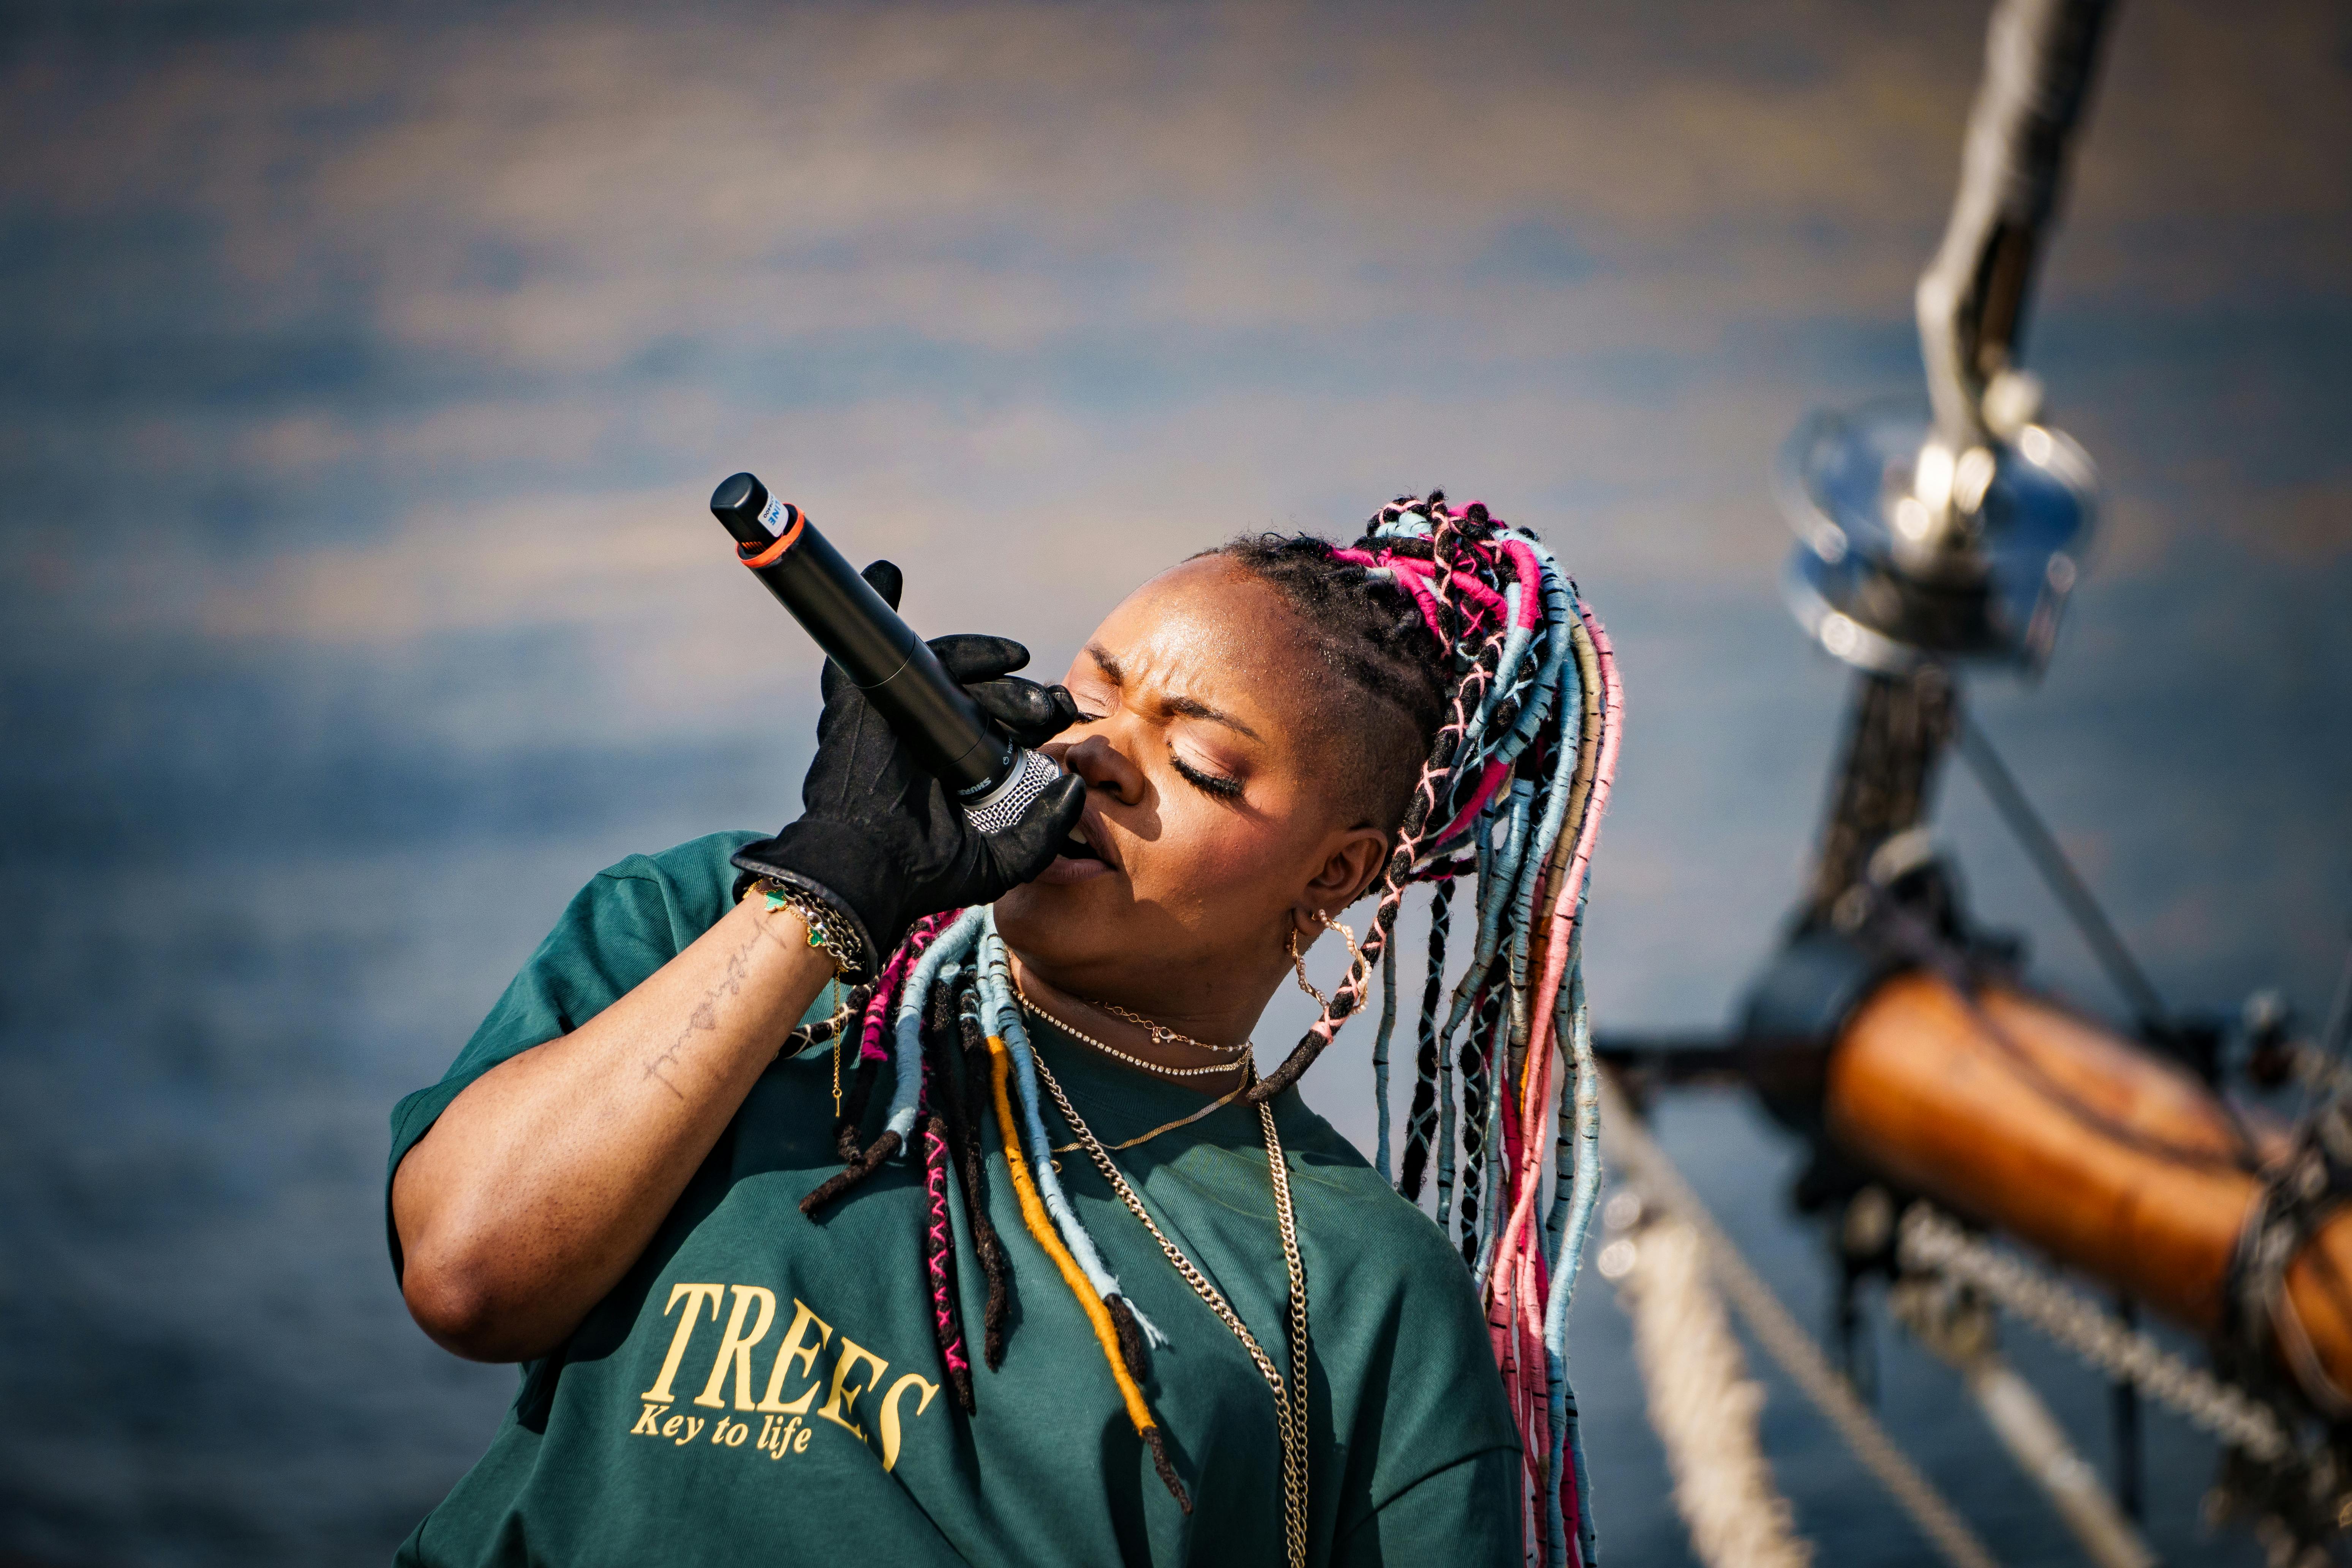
<point>1156,1034</point>
<point>1290,1399</point>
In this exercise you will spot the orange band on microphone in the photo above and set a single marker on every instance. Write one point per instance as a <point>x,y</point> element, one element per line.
<point>776,548</point>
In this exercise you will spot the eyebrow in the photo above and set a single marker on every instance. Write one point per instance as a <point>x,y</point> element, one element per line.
<point>1187,707</point>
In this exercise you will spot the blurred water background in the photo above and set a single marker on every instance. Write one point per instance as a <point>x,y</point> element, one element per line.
<point>363,372</point>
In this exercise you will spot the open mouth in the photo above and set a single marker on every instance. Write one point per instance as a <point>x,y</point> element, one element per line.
<point>1075,860</point>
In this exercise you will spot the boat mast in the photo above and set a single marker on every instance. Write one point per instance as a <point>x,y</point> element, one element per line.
<point>1927,542</point>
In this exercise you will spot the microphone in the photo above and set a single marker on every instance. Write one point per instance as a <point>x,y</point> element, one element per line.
<point>993,778</point>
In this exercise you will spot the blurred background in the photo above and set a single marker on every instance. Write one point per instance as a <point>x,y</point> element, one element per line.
<point>363,373</point>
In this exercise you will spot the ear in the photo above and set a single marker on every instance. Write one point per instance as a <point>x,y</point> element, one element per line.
<point>1349,869</point>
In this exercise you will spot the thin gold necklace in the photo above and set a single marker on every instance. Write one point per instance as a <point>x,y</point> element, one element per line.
<point>1290,1400</point>
<point>1135,1061</point>
<point>1209,1110</point>
<point>1162,1034</point>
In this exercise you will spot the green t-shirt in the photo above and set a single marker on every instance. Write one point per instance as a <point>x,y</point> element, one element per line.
<point>764,1387</point>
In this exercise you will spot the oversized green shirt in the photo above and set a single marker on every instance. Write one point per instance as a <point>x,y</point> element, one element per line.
<point>765,1388</point>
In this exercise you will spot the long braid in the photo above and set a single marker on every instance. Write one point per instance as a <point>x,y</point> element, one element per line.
<point>939,1230</point>
<point>1421,1125</point>
<point>946,1321</point>
<point>994,1266</point>
<point>1478,1088</point>
<point>1503,1132</point>
<point>1380,1064</point>
<point>1052,1241</point>
<point>1004,1018</point>
<point>1470,630</point>
<point>1478,1002</point>
<point>1449,1132</point>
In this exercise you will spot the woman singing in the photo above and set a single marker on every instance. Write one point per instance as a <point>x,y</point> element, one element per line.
<point>1011,1257</point>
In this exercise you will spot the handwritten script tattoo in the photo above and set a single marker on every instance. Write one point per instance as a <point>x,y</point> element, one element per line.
<point>704,1016</point>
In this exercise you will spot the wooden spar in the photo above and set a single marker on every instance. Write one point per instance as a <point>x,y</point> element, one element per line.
<point>2069,1139</point>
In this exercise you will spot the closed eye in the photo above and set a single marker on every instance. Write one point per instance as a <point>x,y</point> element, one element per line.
<point>1217,784</point>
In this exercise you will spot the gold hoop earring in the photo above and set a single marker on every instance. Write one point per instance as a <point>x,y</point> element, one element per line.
<point>1298,964</point>
<point>1298,959</point>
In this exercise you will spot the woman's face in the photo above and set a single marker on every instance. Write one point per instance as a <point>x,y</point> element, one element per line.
<point>1212,822</point>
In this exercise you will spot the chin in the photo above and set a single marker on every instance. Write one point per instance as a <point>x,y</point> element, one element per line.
<point>1062,925</point>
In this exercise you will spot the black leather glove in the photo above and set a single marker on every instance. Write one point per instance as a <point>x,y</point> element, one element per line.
<point>884,842</point>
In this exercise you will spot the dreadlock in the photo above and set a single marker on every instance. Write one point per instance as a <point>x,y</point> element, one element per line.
<point>1483,745</point>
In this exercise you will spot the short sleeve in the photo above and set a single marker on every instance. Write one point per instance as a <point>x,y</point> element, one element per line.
<point>630,920</point>
<point>1467,1513</point>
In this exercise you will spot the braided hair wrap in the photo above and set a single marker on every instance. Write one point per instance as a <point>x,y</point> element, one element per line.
<point>1468,627</point>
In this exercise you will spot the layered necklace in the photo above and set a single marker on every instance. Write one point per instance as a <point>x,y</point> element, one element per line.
<point>1160,1035</point>
<point>1289,1395</point>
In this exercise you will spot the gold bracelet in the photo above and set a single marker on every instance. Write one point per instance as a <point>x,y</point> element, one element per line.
<point>827,932</point>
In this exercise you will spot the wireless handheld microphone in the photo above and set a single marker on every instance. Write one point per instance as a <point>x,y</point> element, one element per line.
<point>993,778</point>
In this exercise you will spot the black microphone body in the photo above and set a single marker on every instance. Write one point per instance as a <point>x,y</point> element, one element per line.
<point>923,705</point>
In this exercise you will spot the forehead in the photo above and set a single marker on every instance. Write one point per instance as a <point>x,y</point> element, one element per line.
<point>1208,630</point>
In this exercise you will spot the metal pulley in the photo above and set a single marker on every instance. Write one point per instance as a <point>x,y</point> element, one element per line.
<point>1958,534</point>
<point>1907,552</point>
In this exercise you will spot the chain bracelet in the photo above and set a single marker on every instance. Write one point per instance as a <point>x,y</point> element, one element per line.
<point>827,932</point>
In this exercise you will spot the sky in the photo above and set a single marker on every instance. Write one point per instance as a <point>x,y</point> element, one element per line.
<point>363,377</point>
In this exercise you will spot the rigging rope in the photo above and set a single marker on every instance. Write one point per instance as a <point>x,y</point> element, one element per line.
<point>1654,1176</point>
<point>1933,1243</point>
<point>2042,847</point>
<point>1703,1403</point>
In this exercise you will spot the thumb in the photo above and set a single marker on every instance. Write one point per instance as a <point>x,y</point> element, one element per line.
<point>887,580</point>
<point>1029,846</point>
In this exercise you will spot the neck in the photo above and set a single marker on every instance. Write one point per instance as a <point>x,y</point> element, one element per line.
<point>1226,1025</point>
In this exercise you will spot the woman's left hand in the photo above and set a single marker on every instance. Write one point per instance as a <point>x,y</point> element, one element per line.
<point>882,840</point>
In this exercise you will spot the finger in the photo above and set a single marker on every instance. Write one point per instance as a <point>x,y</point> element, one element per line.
<point>886,579</point>
<point>1029,846</point>
<point>1032,713</point>
<point>971,659</point>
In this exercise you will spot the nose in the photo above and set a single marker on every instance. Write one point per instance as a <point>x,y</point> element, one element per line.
<point>1104,767</point>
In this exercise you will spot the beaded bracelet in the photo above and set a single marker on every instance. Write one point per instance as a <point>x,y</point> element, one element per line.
<point>827,932</point>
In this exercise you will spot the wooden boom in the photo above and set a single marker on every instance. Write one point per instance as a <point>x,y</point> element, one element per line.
<point>2027,1117</point>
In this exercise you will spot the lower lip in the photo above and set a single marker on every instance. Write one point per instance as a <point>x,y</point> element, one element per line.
<point>1066,871</point>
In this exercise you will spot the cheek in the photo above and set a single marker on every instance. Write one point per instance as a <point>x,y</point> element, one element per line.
<point>1208,854</point>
